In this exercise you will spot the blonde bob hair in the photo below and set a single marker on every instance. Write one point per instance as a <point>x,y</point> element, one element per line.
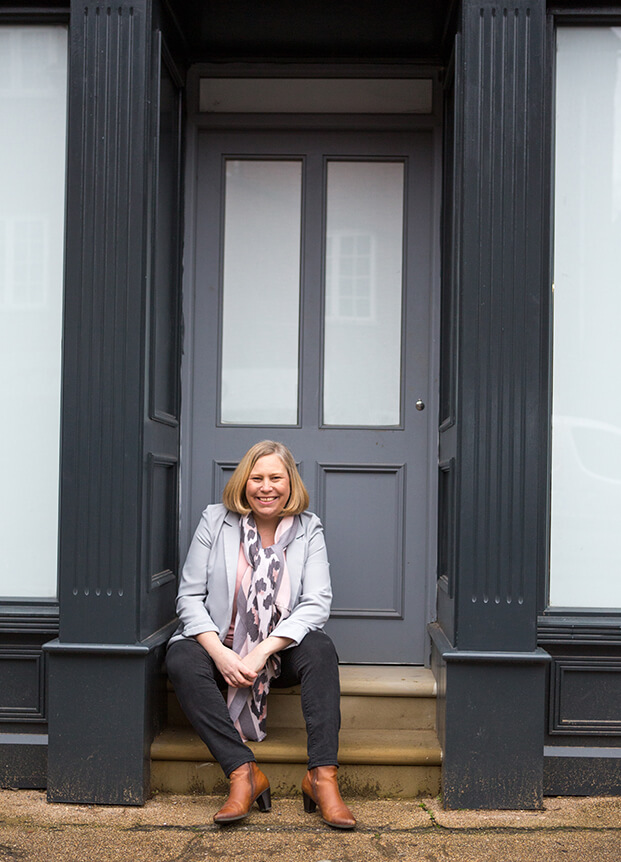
<point>234,495</point>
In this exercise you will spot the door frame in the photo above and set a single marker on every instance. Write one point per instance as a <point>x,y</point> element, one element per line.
<point>196,122</point>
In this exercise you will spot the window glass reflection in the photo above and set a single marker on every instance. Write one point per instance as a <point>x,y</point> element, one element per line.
<point>261,292</point>
<point>363,283</point>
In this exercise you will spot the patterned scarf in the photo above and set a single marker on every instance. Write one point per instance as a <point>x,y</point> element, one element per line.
<point>258,613</point>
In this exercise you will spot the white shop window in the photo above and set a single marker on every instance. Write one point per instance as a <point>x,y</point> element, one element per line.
<point>585,559</point>
<point>33,95</point>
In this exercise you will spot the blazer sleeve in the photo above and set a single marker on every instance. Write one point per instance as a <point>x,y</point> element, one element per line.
<point>193,587</point>
<point>313,607</point>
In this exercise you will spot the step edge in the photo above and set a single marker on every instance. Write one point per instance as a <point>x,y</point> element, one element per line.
<point>424,686</point>
<point>400,758</point>
<point>354,748</point>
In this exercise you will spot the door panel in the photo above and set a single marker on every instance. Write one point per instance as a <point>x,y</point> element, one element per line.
<point>355,334</point>
<point>370,597</point>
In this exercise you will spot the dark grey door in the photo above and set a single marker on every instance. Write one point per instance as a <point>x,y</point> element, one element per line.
<point>309,322</point>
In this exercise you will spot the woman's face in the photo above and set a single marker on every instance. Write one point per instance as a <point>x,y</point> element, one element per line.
<point>268,487</point>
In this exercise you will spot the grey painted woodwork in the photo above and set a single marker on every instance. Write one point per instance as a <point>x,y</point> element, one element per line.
<point>582,771</point>
<point>493,437</point>
<point>370,486</point>
<point>23,760</point>
<point>501,413</point>
<point>490,704</point>
<point>392,29</point>
<point>120,433</point>
<point>105,303</point>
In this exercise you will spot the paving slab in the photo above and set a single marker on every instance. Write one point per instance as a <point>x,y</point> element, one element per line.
<point>180,829</point>
<point>567,812</point>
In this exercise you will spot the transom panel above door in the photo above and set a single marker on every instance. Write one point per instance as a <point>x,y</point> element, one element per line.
<point>310,323</point>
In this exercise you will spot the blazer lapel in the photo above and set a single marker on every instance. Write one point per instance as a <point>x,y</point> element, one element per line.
<point>295,562</point>
<point>231,534</point>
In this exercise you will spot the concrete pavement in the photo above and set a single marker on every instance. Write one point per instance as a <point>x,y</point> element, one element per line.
<point>180,829</point>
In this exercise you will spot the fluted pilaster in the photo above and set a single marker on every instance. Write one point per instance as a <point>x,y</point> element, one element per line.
<point>502,290</point>
<point>108,149</point>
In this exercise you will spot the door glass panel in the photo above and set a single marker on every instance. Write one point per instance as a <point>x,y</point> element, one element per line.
<point>261,292</point>
<point>363,277</point>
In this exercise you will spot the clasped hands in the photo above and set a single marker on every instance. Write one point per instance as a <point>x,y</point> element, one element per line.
<point>240,672</point>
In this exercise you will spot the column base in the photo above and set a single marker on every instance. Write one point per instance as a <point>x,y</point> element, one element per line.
<point>490,722</point>
<point>106,704</point>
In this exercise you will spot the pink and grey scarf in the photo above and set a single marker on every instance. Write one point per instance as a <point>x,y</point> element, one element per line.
<point>263,600</point>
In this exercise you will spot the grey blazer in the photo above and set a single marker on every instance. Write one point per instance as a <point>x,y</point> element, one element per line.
<point>205,598</point>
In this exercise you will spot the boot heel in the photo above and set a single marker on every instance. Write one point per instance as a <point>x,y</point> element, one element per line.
<point>309,804</point>
<point>264,801</point>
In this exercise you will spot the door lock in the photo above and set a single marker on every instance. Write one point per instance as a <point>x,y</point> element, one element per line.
<point>420,404</point>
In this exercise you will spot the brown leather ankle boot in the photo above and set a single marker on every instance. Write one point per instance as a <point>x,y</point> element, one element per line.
<point>248,785</point>
<point>320,788</point>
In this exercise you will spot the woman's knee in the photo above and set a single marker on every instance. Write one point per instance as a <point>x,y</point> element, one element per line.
<point>183,660</point>
<point>318,647</point>
<point>175,660</point>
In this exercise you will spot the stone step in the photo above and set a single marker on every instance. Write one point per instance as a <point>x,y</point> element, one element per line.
<point>388,747</point>
<point>288,745</point>
<point>372,697</point>
<point>402,763</point>
<point>375,782</point>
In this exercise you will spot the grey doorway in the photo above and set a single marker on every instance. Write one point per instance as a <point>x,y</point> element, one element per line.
<point>309,320</point>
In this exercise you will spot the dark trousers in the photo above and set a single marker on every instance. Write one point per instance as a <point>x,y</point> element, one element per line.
<point>313,663</point>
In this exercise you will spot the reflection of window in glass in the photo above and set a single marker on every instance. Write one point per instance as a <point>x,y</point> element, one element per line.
<point>261,291</point>
<point>364,256</point>
<point>350,276</point>
<point>585,555</point>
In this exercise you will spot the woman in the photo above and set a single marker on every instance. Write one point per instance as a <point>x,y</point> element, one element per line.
<point>254,596</point>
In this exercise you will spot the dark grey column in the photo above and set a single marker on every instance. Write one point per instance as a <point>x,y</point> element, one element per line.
<point>493,444</point>
<point>119,450</point>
